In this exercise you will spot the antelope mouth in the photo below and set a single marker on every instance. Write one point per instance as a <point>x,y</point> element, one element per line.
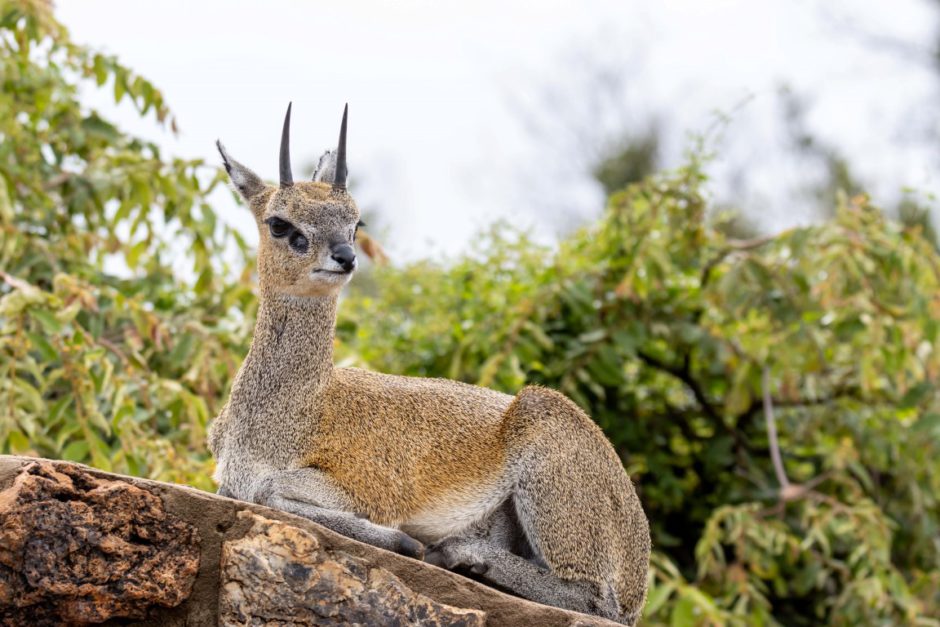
<point>331,277</point>
<point>336,272</point>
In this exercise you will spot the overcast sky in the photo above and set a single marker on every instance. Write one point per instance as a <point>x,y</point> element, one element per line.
<point>448,99</point>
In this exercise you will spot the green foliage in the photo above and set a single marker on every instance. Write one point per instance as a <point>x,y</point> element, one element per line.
<point>123,373</point>
<point>654,320</point>
<point>631,162</point>
<point>660,327</point>
<point>916,215</point>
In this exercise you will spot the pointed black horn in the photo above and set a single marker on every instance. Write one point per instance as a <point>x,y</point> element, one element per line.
<point>287,179</point>
<point>339,177</point>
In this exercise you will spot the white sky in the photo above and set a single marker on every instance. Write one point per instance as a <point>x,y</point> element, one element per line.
<point>440,94</point>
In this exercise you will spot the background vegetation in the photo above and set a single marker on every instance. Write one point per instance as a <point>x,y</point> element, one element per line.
<point>774,398</point>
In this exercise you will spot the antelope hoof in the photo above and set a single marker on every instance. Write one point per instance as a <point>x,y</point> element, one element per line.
<point>456,555</point>
<point>409,547</point>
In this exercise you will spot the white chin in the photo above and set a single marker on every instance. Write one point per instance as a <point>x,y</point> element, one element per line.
<point>320,284</point>
<point>329,280</point>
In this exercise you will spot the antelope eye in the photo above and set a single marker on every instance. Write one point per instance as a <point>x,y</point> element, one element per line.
<point>279,228</point>
<point>298,242</point>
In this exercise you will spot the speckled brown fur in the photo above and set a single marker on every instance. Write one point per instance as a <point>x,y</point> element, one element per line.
<point>389,439</point>
<point>477,472</point>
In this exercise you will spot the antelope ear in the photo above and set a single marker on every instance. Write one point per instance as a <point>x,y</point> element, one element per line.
<point>326,167</point>
<point>331,168</point>
<point>245,181</point>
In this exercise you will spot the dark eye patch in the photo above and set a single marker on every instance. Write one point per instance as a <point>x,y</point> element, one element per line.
<point>298,242</point>
<point>279,228</point>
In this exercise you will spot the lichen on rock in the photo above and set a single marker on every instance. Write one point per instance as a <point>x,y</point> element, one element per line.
<point>278,574</point>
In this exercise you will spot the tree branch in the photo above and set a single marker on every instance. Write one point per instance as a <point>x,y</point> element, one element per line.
<point>772,440</point>
<point>732,246</point>
<point>848,392</point>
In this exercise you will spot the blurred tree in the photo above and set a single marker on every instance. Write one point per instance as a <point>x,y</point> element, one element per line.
<point>632,161</point>
<point>844,20</point>
<point>915,215</point>
<point>584,127</point>
<point>662,329</point>
<point>108,357</point>
<point>836,175</point>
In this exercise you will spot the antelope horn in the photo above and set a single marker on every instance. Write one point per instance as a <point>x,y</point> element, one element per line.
<point>287,178</point>
<point>339,176</point>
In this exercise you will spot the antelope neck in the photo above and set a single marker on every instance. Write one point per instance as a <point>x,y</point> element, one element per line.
<point>292,347</point>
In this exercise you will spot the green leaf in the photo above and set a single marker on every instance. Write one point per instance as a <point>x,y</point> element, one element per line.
<point>18,442</point>
<point>31,397</point>
<point>56,409</point>
<point>684,613</point>
<point>657,597</point>
<point>928,423</point>
<point>133,254</point>
<point>592,336</point>
<point>47,320</point>
<point>76,451</point>
<point>41,344</point>
<point>100,70</point>
<point>119,88</point>
<point>916,395</point>
<point>739,398</point>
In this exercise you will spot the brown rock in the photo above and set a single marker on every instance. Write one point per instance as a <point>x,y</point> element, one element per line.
<point>77,549</point>
<point>70,535</point>
<point>278,574</point>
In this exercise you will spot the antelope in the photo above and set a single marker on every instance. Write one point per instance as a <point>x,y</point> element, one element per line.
<point>522,492</point>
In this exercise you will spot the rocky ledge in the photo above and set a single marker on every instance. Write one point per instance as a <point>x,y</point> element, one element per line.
<point>79,546</point>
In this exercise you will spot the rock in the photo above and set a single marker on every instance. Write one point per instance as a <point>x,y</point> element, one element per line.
<point>277,574</point>
<point>79,546</point>
<point>75,548</point>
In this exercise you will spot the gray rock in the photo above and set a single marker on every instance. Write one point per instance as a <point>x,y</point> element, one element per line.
<point>278,575</point>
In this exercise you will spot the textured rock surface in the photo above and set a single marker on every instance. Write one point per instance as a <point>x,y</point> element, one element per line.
<point>81,546</point>
<point>79,549</point>
<point>277,574</point>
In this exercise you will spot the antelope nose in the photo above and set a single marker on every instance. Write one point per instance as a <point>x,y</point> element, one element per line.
<point>344,256</point>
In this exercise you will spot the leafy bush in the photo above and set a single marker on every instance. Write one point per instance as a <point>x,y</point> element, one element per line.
<point>121,372</point>
<point>670,334</point>
<point>664,330</point>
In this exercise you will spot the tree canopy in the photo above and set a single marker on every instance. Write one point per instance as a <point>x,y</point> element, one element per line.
<point>774,399</point>
<point>108,355</point>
